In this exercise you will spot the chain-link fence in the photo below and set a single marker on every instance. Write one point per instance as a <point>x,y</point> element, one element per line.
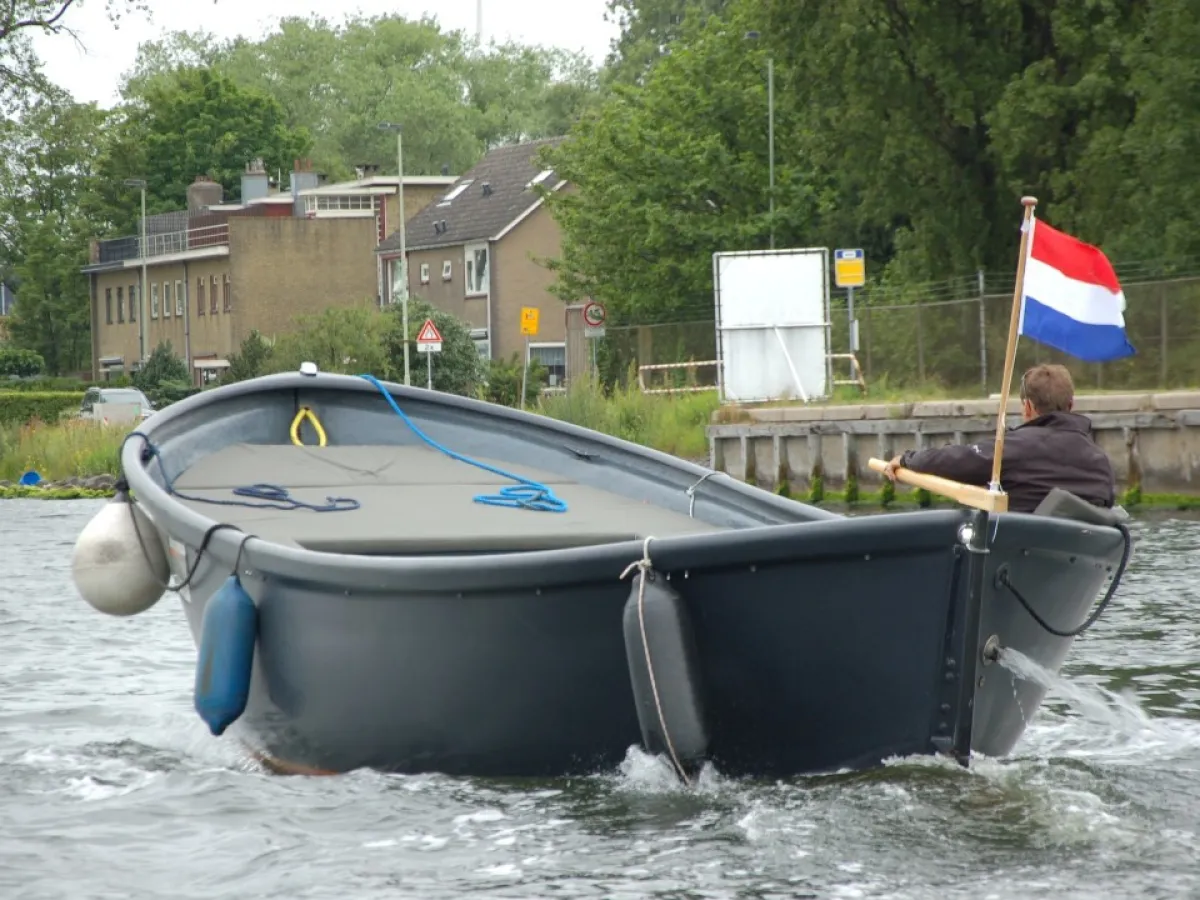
<point>951,338</point>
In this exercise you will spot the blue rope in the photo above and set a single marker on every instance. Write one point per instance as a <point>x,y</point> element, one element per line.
<point>525,494</point>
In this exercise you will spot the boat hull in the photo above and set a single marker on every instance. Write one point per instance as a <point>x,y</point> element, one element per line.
<point>425,631</point>
<point>812,657</point>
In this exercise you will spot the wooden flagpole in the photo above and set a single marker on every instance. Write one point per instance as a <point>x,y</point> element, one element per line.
<point>1010,353</point>
<point>991,498</point>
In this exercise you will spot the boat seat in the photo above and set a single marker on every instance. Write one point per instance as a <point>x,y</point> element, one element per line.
<point>413,501</point>
<point>1063,504</point>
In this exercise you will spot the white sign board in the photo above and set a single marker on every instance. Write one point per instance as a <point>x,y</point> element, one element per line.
<point>772,317</point>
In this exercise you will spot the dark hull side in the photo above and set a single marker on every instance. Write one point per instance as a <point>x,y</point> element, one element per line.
<point>822,646</point>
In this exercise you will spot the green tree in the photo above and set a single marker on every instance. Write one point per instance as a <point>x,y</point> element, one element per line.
<point>668,173</point>
<point>252,359</point>
<point>458,369</point>
<point>21,75</point>
<point>349,340</point>
<point>187,123</point>
<point>340,80</point>
<point>648,29</point>
<point>46,177</point>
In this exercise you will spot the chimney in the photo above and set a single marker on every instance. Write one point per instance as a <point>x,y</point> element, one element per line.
<point>203,193</point>
<point>256,184</point>
<point>303,179</point>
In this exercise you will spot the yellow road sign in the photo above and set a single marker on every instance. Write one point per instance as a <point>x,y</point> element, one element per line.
<point>529,321</point>
<point>849,268</point>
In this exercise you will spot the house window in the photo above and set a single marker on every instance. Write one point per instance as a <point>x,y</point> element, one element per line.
<point>477,269</point>
<point>154,300</point>
<point>200,296</point>
<point>166,300</point>
<point>121,304</point>
<point>227,294</point>
<point>108,306</point>
<point>482,346</point>
<point>133,302</point>
<point>397,279</point>
<point>212,296</point>
<point>554,358</point>
<point>424,273</point>
<point>179,298</point>
<point>447,270</point>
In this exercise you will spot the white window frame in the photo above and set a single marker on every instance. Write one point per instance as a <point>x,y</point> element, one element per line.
<point>166,299</point>
<point>447,269</point>
<point>154,300</point>
<point>456,191</point>
<point>471,285</point>
<point>424,273</point>
<point>180,297</point>
<point>548,345</point>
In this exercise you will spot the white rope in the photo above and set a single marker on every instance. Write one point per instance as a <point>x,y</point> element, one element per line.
<point>644,566</point>
<point>691,492</point>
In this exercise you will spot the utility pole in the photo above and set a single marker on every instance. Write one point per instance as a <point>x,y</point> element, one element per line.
<point>479,22</point>
<point>754,36</point>
<point>141,183</point>
<point>396,127</point>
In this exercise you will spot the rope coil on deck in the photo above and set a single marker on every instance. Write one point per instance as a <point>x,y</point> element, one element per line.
<point>525,494</point>
<point>645,567</point>
<point>307,413</point>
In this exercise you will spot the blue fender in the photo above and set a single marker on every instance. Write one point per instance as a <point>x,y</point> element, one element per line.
<point>228,634</point>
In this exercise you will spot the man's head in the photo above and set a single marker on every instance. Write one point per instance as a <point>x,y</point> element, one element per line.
<point>1046,389</point>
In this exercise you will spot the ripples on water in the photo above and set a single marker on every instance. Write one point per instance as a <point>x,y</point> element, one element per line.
<point>111,787</point>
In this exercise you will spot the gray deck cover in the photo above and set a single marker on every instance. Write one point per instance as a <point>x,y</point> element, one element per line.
<point>413,500</point>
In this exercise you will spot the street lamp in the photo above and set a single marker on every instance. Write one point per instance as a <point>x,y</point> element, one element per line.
<point>754,36</point>
<point>141,183</point>
<point>396,127</point>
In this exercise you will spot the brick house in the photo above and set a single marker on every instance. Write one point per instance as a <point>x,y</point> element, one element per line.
<point>216,271</point>
<point>478,253</point>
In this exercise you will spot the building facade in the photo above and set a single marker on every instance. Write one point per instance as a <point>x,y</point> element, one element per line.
<point>216,271</point>
<point>479,252</point>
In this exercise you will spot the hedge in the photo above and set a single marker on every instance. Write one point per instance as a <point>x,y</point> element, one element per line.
<point>19,407</point>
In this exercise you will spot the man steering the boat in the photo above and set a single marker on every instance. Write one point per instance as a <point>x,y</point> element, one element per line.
<point>1052,447</point>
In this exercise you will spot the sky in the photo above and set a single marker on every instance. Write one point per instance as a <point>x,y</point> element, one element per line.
<point>92,72</point>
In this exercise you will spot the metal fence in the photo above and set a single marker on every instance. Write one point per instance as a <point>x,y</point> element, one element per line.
<point>955,343</point>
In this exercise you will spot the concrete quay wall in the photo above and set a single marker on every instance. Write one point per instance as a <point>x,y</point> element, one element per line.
<point>1152,439</point>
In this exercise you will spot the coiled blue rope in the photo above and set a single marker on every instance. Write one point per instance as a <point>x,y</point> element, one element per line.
<point>525,494</point>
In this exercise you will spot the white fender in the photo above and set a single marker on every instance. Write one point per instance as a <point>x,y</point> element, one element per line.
<point>120,569</point>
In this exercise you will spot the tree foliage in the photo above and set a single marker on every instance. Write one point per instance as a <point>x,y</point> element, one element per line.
<point>339,80</point>
<point>193,121</point>
<point>910,128</point>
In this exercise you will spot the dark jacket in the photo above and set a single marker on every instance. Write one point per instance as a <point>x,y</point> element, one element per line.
<point>1054,450</point>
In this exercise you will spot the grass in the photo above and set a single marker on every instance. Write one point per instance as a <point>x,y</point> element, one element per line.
<point>674,424</point>
<point>72,448</point>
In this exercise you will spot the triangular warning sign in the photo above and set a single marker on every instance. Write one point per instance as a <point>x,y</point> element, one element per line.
<point>429,333</point>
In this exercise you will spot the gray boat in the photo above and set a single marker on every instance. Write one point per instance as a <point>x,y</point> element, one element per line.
<point>395,578</point>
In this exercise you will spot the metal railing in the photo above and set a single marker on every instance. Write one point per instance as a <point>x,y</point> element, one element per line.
<point>124,249</point>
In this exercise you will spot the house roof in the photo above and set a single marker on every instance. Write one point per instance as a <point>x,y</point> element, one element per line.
<point>471,212</point>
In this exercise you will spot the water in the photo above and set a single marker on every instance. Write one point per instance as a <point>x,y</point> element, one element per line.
<point>110,786</point>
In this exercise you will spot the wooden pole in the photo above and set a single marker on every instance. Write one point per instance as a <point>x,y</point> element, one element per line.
<point>966,494</point>
<point>1010,352</point>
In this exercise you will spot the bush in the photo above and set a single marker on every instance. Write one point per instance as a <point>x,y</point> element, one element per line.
<point>19,407</point>
<point>23,363</point>
<point>504,381</point>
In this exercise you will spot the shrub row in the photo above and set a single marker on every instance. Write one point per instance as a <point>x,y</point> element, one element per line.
<point>19,407</point>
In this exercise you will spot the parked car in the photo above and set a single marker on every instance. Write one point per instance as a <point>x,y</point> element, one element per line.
<point>123,395</point>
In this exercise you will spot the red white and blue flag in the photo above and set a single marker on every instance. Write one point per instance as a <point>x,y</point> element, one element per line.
<point>1071,299</point>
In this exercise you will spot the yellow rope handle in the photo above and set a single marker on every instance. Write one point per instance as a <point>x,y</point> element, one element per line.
<point>307,413</point>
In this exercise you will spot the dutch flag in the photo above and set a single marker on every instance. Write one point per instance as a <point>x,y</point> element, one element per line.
<point>1071,299</point>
